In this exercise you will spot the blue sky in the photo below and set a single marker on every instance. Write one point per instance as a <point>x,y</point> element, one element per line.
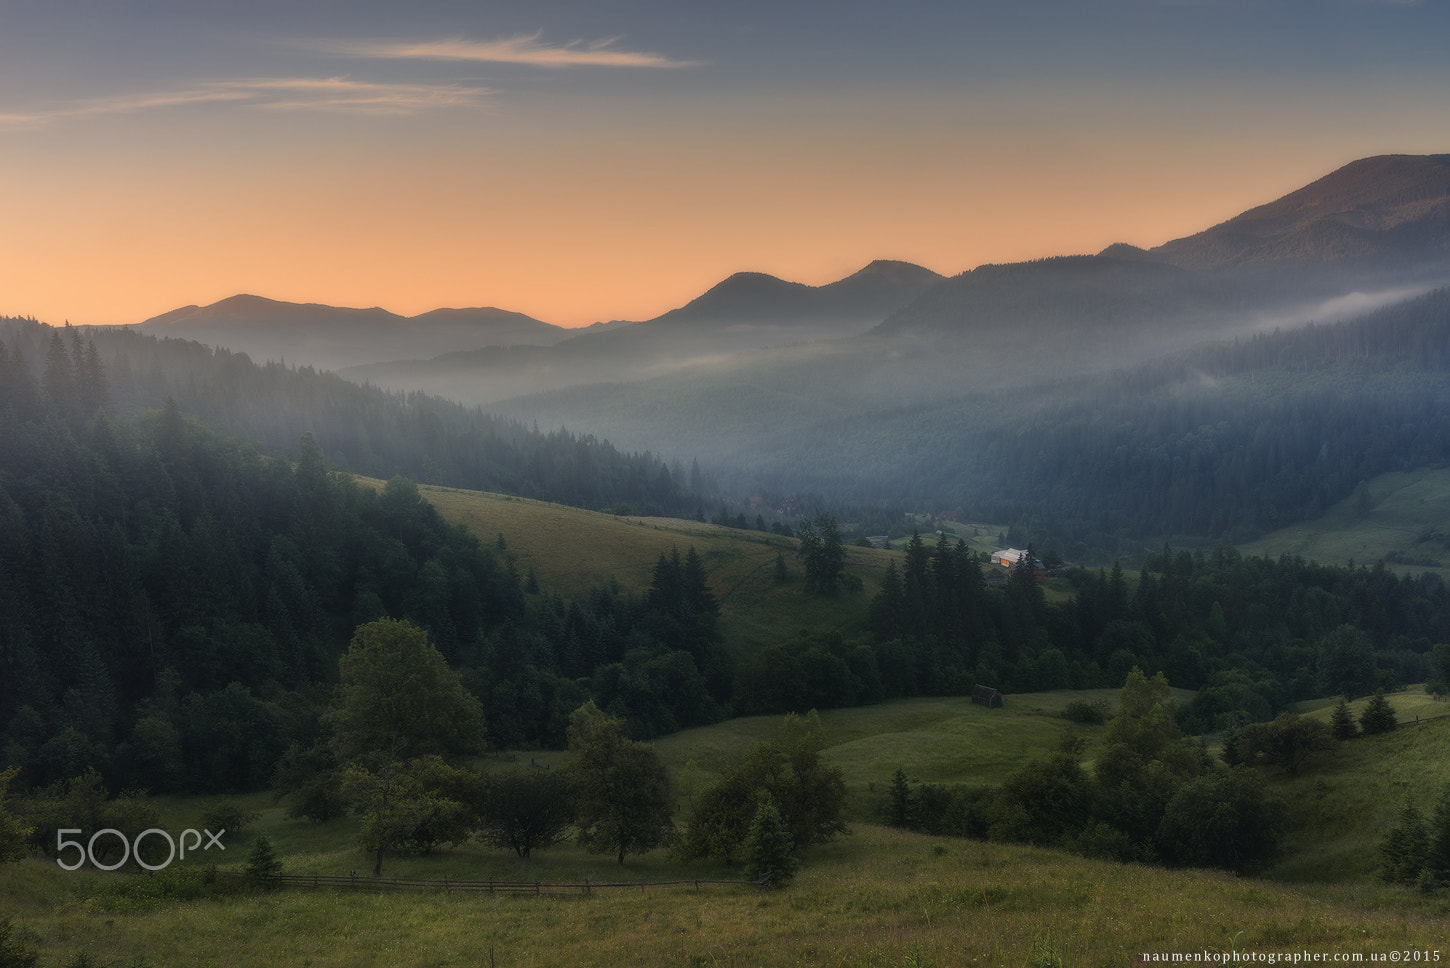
<point>581,161</point>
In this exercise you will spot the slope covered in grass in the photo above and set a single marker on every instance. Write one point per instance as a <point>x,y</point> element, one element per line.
<point>1401,518</point>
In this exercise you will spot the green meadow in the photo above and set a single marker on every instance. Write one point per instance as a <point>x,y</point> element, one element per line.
<point>1403,520</point>
<point>879,897</point>
<point>572,550</point>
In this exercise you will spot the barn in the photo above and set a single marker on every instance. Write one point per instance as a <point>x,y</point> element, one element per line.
<point>986,696</point>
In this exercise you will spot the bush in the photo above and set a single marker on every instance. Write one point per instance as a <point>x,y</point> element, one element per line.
<point>16,948</point>
<point>1222,820</point>
<point>227,815</point>
<point>1086,713</point>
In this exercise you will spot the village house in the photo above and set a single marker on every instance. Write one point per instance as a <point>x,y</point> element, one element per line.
<point>1011,559</point>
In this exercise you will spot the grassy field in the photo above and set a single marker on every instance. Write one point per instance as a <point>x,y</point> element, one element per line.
<point>935,740</point>
<point>1345,800</point>
<point>1403,508</point>
<point>572,550</point>
<point>878,897</point>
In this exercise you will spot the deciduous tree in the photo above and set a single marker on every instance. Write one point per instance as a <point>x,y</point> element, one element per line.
<point>624,801</point>
<point>525,810</point>
<point>1286,742</point>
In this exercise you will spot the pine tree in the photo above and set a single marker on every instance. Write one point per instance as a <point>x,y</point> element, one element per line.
<point>1341,721</point>
<point>264,868</point>
<point>1437,850</point>
<point>768,848</point>
<point>1403,849</point>
<point>900,806</point>
<point>1378,715</point>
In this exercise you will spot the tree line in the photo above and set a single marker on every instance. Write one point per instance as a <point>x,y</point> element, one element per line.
<point>361,429</point>
<point>398,746</point>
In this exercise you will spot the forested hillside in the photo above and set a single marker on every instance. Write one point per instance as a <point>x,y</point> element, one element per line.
<point>173,602</point>
<point>1218,444</point>
<point>364,429</point>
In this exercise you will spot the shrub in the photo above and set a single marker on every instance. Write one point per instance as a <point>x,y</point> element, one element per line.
<point>1086,713</point>
<point>227,815</point>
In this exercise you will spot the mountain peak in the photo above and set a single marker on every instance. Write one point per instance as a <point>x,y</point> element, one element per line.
<point>1370,207</point>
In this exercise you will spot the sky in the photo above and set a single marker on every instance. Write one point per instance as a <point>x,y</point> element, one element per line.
<point>586,160</point>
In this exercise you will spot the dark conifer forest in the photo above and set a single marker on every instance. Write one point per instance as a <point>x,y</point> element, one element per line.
<point>173,602</point>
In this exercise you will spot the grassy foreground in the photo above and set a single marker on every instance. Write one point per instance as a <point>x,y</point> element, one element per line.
<point>879,898</point>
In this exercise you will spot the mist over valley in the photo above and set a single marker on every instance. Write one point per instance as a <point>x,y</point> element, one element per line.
<point>897,385</point>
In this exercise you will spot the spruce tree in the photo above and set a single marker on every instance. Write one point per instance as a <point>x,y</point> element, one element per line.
<point>1437,850</point>
<point>1378,715</point>
<point>768,847</point>
<point>900,806</point>
<point>1341,721</point>
<point>1403,849</point>
<point>264,868</point>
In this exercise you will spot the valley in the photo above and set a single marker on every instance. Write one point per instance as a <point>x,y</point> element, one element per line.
<point>369,578</point>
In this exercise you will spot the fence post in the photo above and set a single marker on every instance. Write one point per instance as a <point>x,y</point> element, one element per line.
<point>586,884</point>
<point>536,889</point>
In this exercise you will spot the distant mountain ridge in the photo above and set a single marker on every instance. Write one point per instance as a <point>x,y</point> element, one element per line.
<point>745,315</point>
<point>755,297</point>
<point>331,337</point>
<point>748,310</point>
<point>1375,225</point>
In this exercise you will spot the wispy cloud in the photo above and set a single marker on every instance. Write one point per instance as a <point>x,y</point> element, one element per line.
<point>265,93</point>
<point>524,49</point>
<point>120,104</point>
<point>343,93</point>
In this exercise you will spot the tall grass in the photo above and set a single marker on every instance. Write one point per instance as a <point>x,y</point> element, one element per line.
<point>878,898</point>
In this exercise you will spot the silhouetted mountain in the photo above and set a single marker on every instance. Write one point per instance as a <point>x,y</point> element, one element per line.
<point>1069,292</point>
<point>750,312</point>
<point>760,300</point>
<point>330,337</point>
<point>1390,205</point>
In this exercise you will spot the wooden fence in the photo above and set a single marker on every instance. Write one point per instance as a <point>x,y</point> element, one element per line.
<point>448,885</point>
